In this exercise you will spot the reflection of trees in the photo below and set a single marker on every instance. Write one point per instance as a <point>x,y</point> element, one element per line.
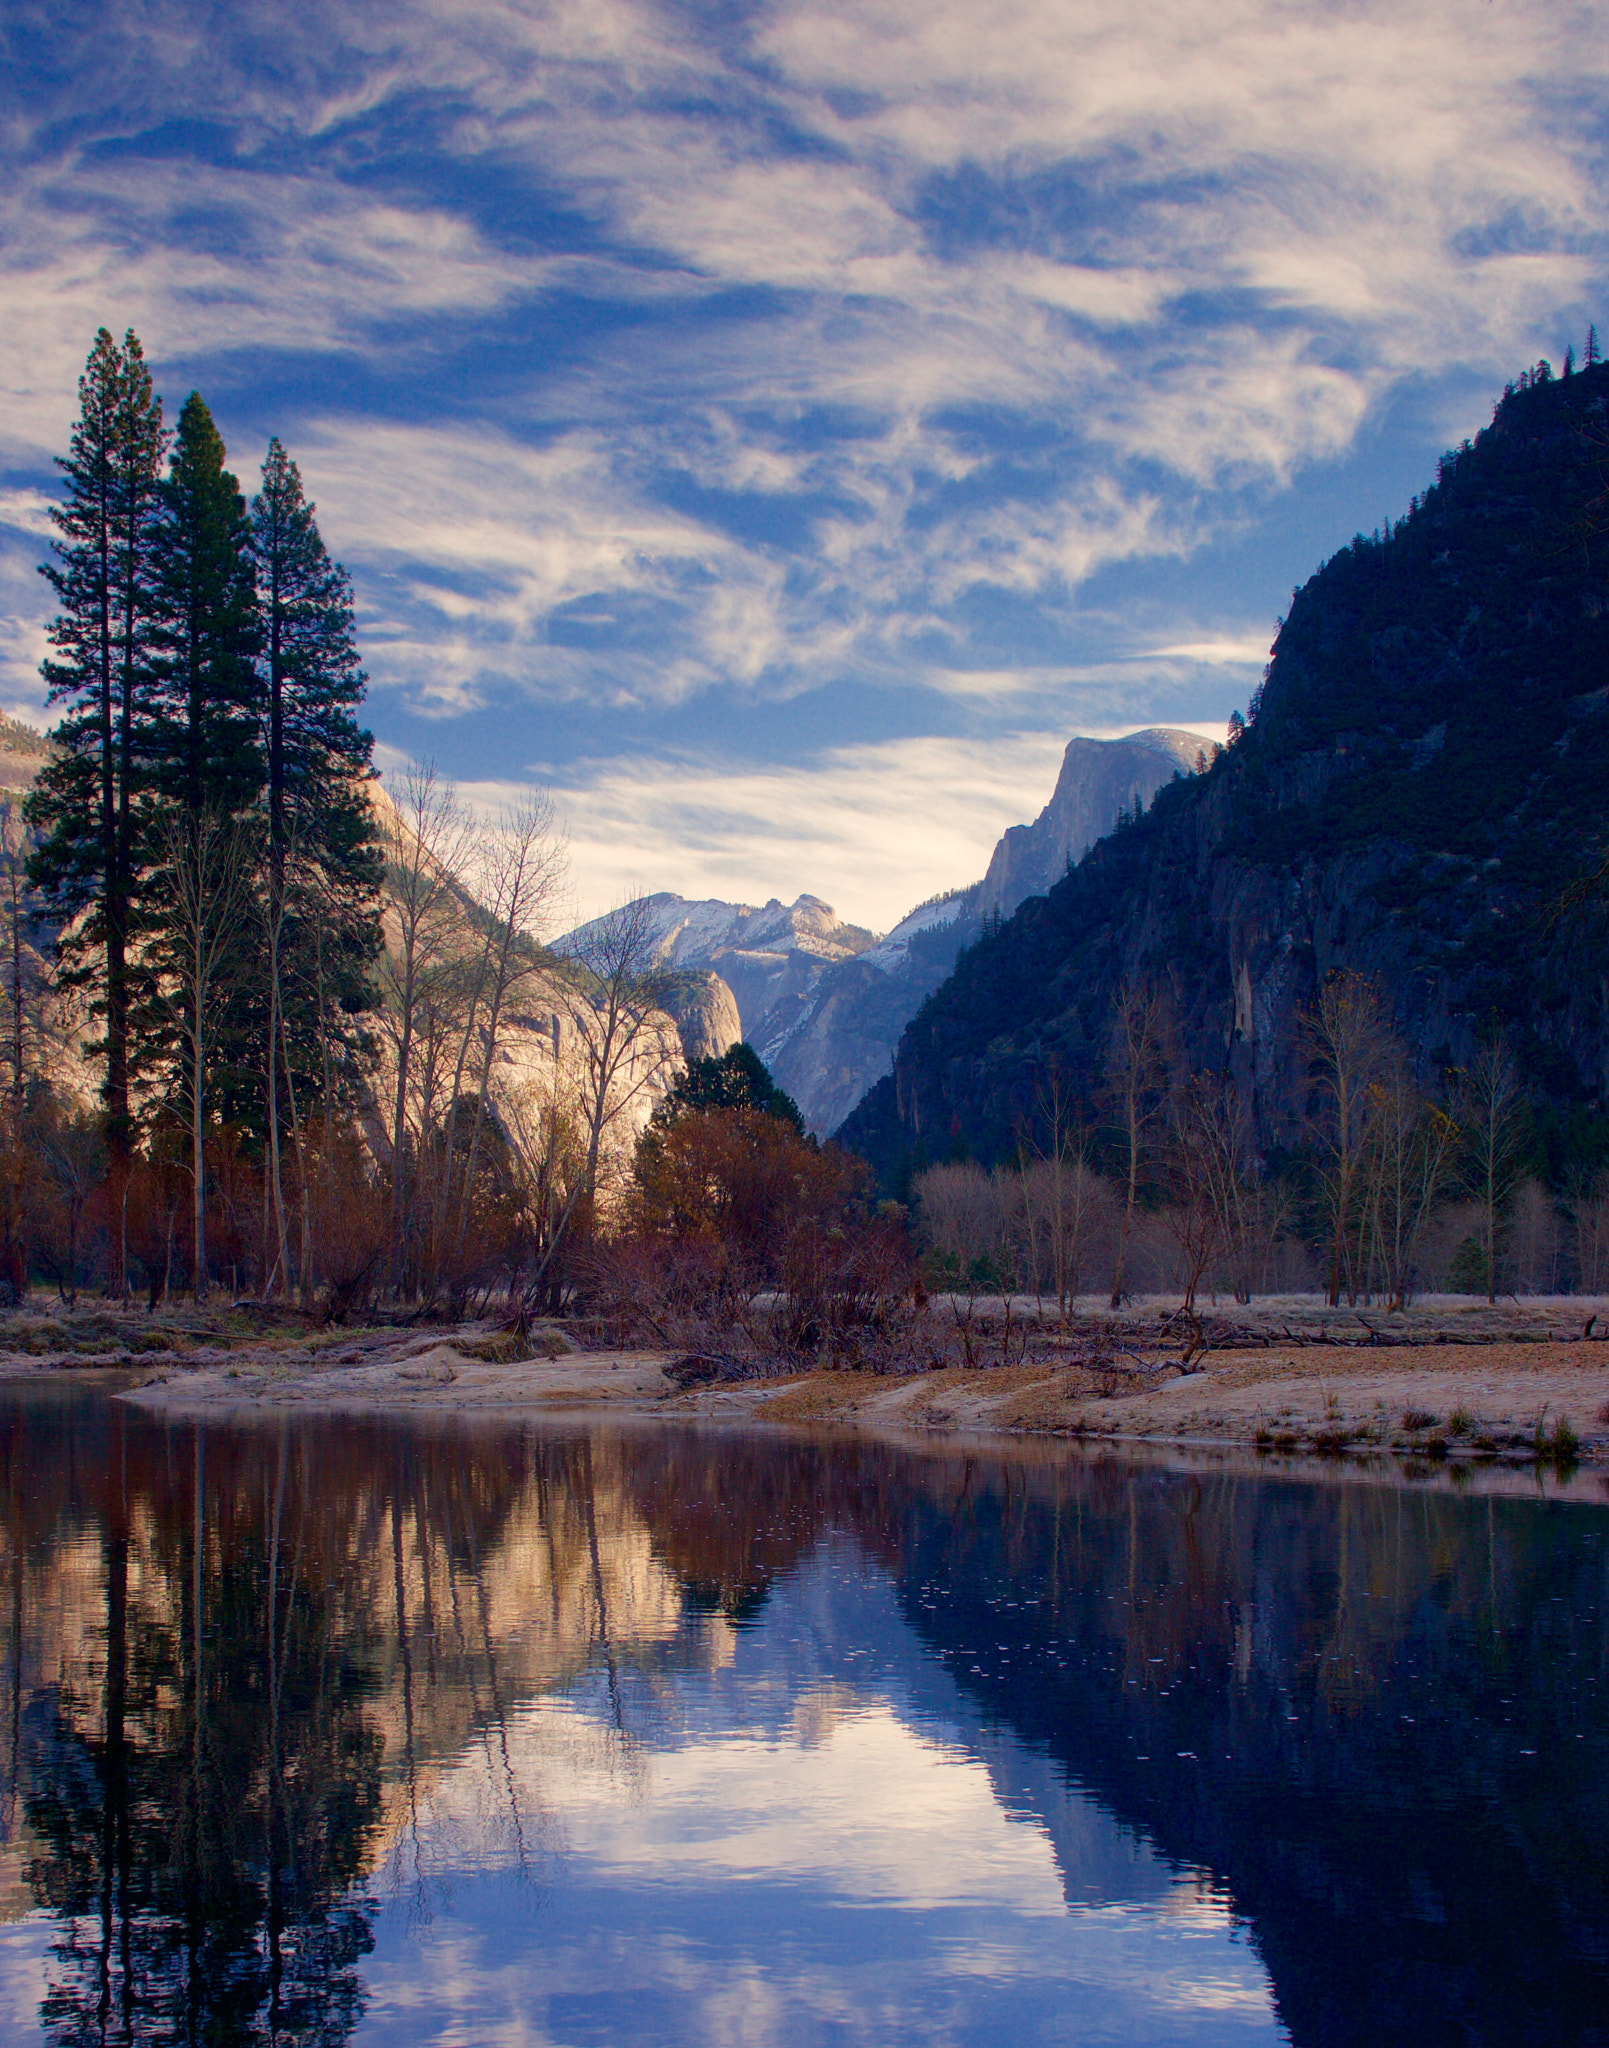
<point>200,1815</point>
<point>1323,1694</point>
<point>236,1658</point>
<point>200,1623</point>
<point>269,1643</point>
<point>728,1515</point>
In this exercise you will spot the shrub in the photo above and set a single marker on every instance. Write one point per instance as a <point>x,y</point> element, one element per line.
<point>738,1229</point>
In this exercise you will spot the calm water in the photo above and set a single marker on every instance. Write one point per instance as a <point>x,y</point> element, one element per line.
<point>342,1731</point>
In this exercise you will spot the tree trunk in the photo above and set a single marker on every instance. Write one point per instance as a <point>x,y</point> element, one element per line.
<point>198,1170</point>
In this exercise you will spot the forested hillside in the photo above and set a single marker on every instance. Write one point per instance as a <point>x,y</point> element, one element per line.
<point>1417,789</point>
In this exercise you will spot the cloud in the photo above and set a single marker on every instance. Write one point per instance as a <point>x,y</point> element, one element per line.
<point>1249,647</point>
<point>641,358</point>
<point>873,829</point>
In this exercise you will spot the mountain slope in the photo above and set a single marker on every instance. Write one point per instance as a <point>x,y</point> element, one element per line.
<point>843,1039</point>
<point>1426,769</point>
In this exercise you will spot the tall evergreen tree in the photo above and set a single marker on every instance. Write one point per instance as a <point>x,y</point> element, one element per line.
<point>85,803</point>
<point>205,773</point>
<point>206,750</point>
<point>324,868</point>
<point>317,760</point>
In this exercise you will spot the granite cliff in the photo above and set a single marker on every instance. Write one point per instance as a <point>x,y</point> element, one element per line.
<point>843,1038</point>
<point>1100,781</point>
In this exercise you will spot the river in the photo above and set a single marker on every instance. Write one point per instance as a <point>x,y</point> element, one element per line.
<point>329,1730</point>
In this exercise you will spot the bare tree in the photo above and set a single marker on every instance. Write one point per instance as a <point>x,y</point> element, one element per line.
<point>1409,1155</point>
<point>1494,1115</point>
<point>1134,1072</point>
<point>1588,1205</point>
<point>1350,1044</point>
<point>71,1147</point>
<point>610,1000</point>
<point>205,876</point>
<point>1208,1170</point>
<point>1060,1191</point>
<point>426,836</point>
<point>614,1005</point>
<point>521,868</point>
<point>547,1142</point>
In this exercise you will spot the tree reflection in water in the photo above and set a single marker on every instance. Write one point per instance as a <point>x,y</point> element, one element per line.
<point>199,1805</point>
<point>237,1658</point>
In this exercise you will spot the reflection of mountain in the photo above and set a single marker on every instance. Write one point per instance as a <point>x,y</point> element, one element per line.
<point>245,1670</point>
<point>1377,1719</point>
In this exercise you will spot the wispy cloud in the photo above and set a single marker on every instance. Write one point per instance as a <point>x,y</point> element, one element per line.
<point>873,829</point>
<point>642,360</point>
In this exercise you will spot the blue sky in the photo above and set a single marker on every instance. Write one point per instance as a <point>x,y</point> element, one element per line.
<point>778,428</point>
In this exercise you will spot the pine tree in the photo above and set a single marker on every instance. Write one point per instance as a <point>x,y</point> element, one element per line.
<point>84,805</point>
<point>205,772</point>
<point>324,869</point>
<point>317,759</point>
<point>206,747</point>
<point>1593,354</point>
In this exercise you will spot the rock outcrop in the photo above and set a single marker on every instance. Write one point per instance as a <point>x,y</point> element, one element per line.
<point>843,1040</point>
<point>1100,781</point>
<point>704,1010</point>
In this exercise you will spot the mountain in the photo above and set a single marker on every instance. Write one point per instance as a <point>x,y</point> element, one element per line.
<point>746,965</point>
<point>824,1003</point>
<point>843,1038</point>
<point>1099,781</point>
<point>1424,776</point>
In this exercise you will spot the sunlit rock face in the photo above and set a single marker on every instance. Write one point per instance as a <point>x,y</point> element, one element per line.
<point>538,1059</point>
<point>540,1062</point>
<point>58,1029</point>
<point>704,1010</point>
<point>1099,780</point>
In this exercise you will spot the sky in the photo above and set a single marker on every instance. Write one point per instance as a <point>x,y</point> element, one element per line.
<point>777,428</point>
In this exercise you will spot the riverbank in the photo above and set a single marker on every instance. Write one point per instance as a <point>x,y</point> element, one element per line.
<point>1449,1382</point>
<point>1454,1381</point>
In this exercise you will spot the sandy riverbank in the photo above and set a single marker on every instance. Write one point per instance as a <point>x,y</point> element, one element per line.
<point>1485,1399</point>
<point>1451,1379</point>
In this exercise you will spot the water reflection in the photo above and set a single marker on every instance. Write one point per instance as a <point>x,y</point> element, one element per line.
<point>331,1729</point>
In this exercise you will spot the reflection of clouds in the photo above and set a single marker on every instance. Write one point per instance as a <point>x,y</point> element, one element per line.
<point>821,1838</point>
<point>25,1951</point>
<point>873,1811</point>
